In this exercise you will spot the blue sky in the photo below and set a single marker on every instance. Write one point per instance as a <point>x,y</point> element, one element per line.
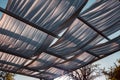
<point>3,5</point>
<point>105,62</point>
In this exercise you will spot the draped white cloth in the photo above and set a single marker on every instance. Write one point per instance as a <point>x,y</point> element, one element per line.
<point>26,50</point>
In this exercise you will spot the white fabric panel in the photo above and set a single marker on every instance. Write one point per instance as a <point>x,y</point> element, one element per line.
<point>80,60</point>
<point>48,14</point>
<point>78,36</point>
<point>44,61</point>
<point>20,38</point>
<point>13,59</point>
<point>77,44</point>
<point>104,15</point>
<point>107,48</point>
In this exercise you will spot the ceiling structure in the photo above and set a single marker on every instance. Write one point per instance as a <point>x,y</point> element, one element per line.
<point>46,38</point>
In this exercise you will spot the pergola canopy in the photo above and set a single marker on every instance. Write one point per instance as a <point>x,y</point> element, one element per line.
<point>45,38</point>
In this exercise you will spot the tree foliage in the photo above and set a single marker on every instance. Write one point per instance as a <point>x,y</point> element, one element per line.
<point>6,76</point>
<point>89,72</point>
<point>114,72</point>
<point>9,76</point>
